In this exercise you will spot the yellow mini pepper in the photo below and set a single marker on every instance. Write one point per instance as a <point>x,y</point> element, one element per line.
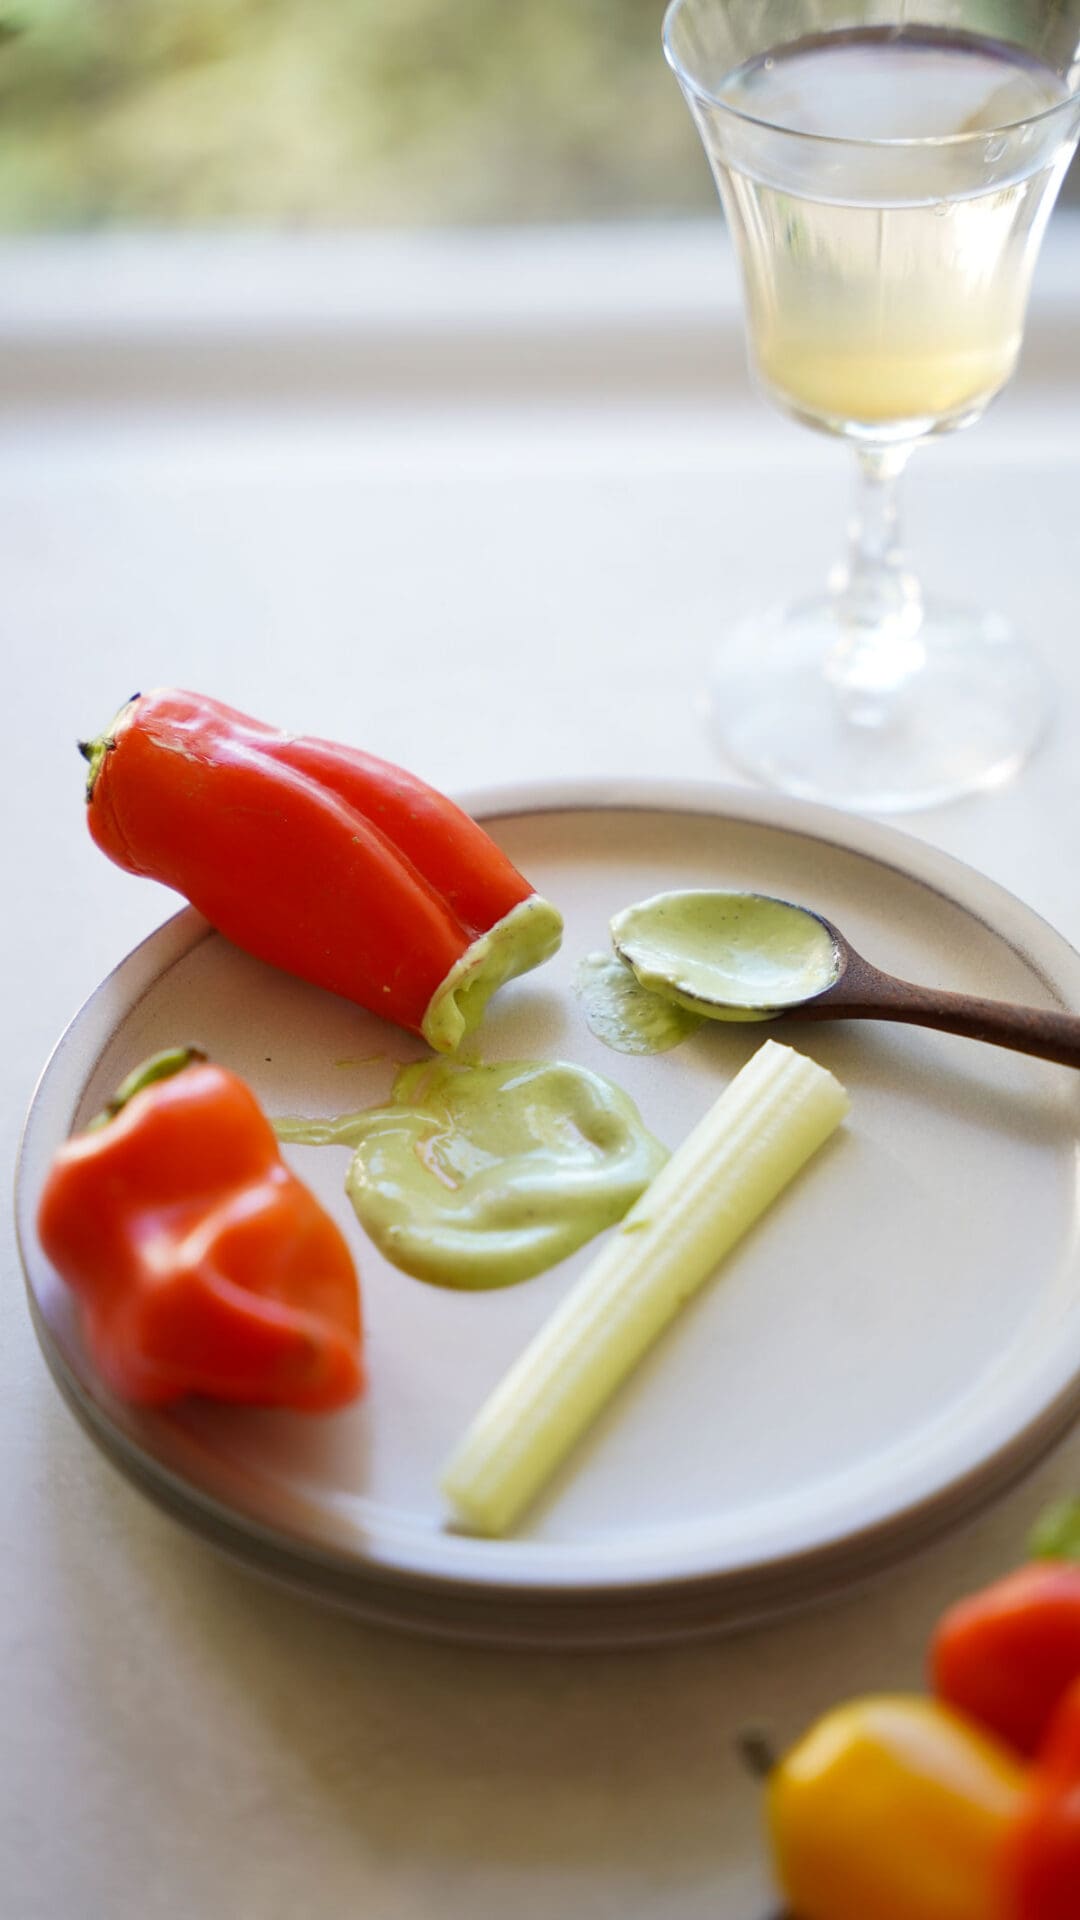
<point>893,1808</point>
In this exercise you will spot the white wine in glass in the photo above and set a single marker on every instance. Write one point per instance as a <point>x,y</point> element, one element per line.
<point>887,184</point>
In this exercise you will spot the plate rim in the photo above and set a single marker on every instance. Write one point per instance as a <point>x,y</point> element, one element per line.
<point>495,1571</point>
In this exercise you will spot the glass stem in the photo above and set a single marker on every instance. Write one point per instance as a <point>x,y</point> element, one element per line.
<point>878,599</point>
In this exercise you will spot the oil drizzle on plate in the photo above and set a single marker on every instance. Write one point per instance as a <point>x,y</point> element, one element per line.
<point>625,1015</point>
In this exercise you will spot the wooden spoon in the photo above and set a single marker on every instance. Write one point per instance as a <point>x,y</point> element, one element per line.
<point>853,988</point>
<point>864,992</point>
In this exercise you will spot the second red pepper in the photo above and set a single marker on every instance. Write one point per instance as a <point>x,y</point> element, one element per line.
<point>1041,1861</point>
<point>203,1265</point>
<point>1006,1655</point>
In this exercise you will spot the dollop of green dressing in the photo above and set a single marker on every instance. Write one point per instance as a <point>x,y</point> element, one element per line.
<point>524,938</point>
<point>624,1014</point>
<point>727,956</point>
<point>480,1176</point>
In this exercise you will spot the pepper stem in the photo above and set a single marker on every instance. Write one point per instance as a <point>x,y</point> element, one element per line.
<point>1056,1533</point>
<point>756,1752</point>
<point>160,1066</point>
<point>94,751</point>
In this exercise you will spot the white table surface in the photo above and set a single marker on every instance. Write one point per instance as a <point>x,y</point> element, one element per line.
<point>484,507</point>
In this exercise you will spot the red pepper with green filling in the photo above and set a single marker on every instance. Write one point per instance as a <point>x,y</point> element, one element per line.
<point>202,1264</point>
<point>327,862</point>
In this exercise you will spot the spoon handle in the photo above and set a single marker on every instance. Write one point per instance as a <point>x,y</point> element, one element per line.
<point>863,992</point>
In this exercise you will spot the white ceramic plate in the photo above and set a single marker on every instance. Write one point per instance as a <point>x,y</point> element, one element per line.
<point>894,1343</point>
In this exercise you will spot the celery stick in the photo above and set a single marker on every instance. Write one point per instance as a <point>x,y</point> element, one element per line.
<point>766,1124</point>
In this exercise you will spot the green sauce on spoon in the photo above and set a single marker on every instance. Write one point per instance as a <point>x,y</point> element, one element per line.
<point>727,956</point>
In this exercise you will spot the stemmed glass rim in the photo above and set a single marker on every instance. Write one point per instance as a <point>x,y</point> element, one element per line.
<point>920,142</point>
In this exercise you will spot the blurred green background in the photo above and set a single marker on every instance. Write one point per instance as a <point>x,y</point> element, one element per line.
<point>342,113</point>
<point>339,112</point>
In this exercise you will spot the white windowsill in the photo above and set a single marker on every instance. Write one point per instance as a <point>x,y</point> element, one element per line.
<point>270,319</point>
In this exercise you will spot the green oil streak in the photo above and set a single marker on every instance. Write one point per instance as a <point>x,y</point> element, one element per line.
<point>480,1176</point>
<point>624,1014</point>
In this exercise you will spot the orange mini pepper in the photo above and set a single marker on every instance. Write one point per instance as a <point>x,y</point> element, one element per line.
<point>203,1265</point>
<point>1007,1654</point>
<point>323,860</point>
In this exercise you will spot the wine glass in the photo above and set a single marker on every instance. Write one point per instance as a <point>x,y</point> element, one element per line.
<point>887,182</point>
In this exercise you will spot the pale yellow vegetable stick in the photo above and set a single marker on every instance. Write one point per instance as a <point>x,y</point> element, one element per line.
<point>766,1124</point>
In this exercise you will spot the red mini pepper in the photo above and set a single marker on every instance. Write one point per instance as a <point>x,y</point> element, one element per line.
<point>1005,1656</point>
<point>203,1265</point>
<point>1040,1865</point>
<point>323,860</point>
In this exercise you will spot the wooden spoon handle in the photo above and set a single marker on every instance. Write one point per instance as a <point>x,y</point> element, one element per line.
<point>865,993</point>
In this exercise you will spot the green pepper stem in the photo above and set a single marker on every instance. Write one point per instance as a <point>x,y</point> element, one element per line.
<point>160,1066</point>
<point>1056,1533</point>
<point>95,750</point>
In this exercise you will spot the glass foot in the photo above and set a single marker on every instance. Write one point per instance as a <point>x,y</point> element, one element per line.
<point>961,708</point>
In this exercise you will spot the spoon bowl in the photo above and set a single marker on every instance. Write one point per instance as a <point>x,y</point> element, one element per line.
<point>729,956</point>
<point>748,956</point>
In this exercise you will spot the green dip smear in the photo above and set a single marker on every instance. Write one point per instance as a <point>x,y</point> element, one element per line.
<point>727,956</point>
<point>624,1014</point>
<point>480,1176</point>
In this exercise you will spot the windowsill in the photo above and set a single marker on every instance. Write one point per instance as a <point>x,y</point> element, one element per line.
<point>269,319</point>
